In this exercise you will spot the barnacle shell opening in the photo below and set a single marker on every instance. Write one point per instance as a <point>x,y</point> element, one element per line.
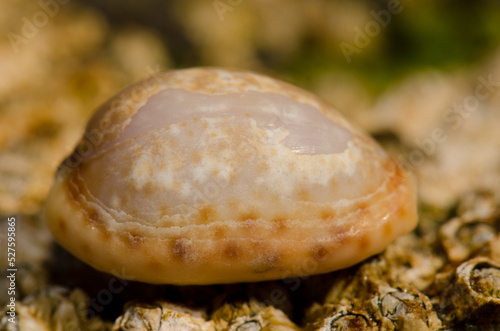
<point>208,175</point>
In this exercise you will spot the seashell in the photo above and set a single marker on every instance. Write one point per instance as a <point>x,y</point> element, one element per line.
<point>208,175</point>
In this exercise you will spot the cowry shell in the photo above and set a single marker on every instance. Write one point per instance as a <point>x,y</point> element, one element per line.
<point>209,175</point>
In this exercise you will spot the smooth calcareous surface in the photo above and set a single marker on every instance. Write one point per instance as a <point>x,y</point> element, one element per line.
<point>205,176</point>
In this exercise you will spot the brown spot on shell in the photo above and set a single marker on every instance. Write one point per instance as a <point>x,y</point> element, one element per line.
<point>86,248</point>
<point>196,157</point>
<point>362,208</point>
<point>327,214</point>
<point>250,215</point>
<point>269,260</point>
<point>94,217</point>
<point>333,183</point>
<point>61,224</point>
<point>278,219</point>
<point>145,169</point>
<point>279,223</point>
<point>148,189</point>
<point>387,228</point>
<point>219,232</point>
<point>364,242</point>
<point>263,166</point>
<point>338,233</point>
<point>207,213</point>
<point>155,265</point>
<point>172,142</point>
<point>133,239</point>
<point>231,251</point>
<point>319,252</point>
<point>155,144</point>
<point>180,248</point>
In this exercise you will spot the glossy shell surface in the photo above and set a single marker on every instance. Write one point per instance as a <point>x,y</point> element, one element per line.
<point>208,175</point>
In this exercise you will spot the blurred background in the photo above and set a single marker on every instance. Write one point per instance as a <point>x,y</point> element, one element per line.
<point>395,68</point>
<point>422,77</point>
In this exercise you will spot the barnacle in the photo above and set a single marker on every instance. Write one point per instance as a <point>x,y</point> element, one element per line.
<point>473,292</point>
